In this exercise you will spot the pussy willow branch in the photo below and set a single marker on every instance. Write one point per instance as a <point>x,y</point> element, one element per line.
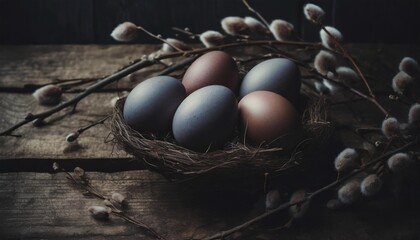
<point>85,185</point>
<point>314,71</point>
<point>140,65</point>
<point>159,38</point>
<point>310,196</point>
<point>186,32</point>
<point>356,66</point>
<point>245,2</point>
<point>91,125</point>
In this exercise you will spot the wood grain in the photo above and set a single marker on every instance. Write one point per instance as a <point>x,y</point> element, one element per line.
<point>41,205</point>
<point>48,142</point>
<point>37,64</point>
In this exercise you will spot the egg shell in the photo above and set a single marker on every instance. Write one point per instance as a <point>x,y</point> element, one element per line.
<point>151,105</point>
<point>206,119</point>
<point>266,117</point>
<point>212,68</point>
<point>279,75</point>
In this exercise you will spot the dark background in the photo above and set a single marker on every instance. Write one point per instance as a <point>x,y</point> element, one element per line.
<point>91,21</point>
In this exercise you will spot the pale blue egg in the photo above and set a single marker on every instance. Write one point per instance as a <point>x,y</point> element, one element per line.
<point>279,75</point>
<point>151,105</point>
<point>206,119</point>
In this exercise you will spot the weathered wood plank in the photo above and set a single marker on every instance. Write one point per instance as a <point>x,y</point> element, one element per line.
<point>40,205</point>
<point>48,141</point>
<point>37,64</point>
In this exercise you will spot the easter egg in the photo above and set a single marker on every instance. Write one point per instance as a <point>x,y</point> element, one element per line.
<point>277,75</point>
<point>212,68</point>
<point>266,116</point>
<point>206,119</point>
<point>151,105</point>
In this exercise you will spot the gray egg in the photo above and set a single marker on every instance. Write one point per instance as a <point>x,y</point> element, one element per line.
<point>151,105</point>
<point>206,119</point>
<point>277,75</point>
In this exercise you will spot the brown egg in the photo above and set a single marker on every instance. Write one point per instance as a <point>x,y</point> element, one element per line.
<point>266,117</point>
<point>212,68</point>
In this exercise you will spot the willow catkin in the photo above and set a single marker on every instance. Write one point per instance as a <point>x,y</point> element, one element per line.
<point>48,95</point>
<point>234,26</point>
<point>371,185</point>
<point>212,38</point>
<point>414,114</point>
<point>125,32</point>
<point>176,43</point>
<point>313,12</point>
<point>255,26</point>
<point>390,127</point>
<point>282,30</point>
<point>327,40</point>
<point>409,66</point>
<point>346,160</point>
<point>349,192</point>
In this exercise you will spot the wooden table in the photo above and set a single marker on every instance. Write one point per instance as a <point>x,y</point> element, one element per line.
<point>37,203</point>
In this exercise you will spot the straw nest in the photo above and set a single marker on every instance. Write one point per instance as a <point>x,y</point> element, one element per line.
<point>174,162</point>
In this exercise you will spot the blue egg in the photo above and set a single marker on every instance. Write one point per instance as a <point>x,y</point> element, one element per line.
<point>277,75</point>
<point>151,105</point>
<point>206,119</point>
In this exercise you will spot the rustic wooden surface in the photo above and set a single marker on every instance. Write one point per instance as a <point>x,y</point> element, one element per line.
<point>42,205</point>
<point>37,204</point>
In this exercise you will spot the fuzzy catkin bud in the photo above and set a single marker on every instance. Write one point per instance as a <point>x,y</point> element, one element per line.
<point>390,127</point>
<point>176,43</point>
<point>38,122</point>
<point>71,137</point>
<point>119,198</point>
<point>48,95</point>
<point>371,185</point>
<point>99,212</point>
<point>347,75</point>
<point>325,62</point>
<point>346,160</point>
<point>349,192</point>
<point>334,204</point>
<point>409,66</point>
<point>255,26</point>
<point>212,38</point>
<point>282,30</point>
<point>401,81</point>
<point>298,210</point>
<point>313,12</point>
<point>369,147</point>
<point>332,87</point>
<point>78,171</point>
<point>399,162</point>
<point>125,32</point>
<point>321,88</point>
<point>328,40</point>
<point>414,114</point>
<point>56,166</point>
<point>272,199</point>
<point>234,26</point>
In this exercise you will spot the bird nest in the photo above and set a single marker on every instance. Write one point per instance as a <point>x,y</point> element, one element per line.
<point>175,162</point>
